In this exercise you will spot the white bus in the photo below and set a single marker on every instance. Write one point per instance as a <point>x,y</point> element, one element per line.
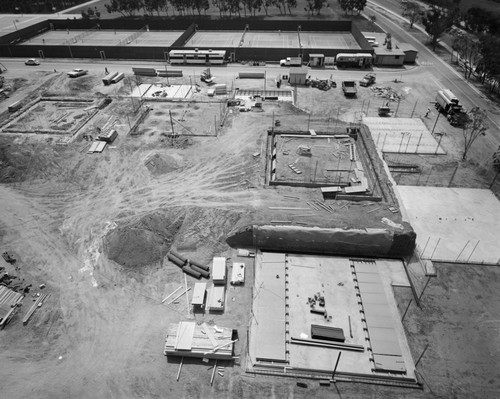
<point>361,60</point>
<point>201,57</point>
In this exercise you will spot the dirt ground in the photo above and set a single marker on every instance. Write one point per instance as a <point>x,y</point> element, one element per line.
<point>65,214</point>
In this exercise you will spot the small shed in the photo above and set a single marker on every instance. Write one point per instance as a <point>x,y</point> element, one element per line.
<point>298,75</point>
<point>199,294</point>
<point>389,57</point>
<point>219,270</point>
<point>411,53</point>
<point>316,60</point>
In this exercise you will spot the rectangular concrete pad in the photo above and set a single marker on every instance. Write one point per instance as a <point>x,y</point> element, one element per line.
<point>373,298</point>
<point>269,311</point>
<point>385,348</point>
<point>373,320</point>
<point>272,257</point>
<point>368,278</point>
<point>454,224</point>
<point>383,334</point>
<point>370,288</point>
<point>402,135</point>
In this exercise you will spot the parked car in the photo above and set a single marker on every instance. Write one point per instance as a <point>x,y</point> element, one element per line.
<point>77,72</point>
<point>32,61</point>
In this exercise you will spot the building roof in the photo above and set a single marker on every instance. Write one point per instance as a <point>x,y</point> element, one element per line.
<point>384,51</point>
<point>406,47</point>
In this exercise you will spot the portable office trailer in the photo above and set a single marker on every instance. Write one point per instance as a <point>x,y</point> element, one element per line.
<point>199,295</point>
<point>219,270</point>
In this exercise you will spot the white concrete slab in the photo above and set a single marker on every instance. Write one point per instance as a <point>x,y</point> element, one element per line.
<point>402,135</point>
<point>454,224</point>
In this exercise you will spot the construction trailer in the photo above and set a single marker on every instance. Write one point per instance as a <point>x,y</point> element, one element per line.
<point>219,270</point>
<point>199,296</point>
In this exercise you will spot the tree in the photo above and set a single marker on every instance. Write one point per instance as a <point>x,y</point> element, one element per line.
<point>125,7</point>
<point>474,127</point>
<point>346,6</point>
<point>496,159</point>
<point>490,62</point>
<point>315,5</point>
<point>291,4</point>
<point>469,51</point>
<point>438,20</point>
<point>359,5</point>
<point>413,11</point>
<point>476,19</point>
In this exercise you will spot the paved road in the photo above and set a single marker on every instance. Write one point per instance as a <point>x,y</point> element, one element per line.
<point>444,75</point>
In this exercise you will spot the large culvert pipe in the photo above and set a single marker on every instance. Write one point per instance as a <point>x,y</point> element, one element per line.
<point>175,253</point>
<point>199,265</point>
<point>204,273</point>
<point>191,272</point>
<point>174,259</point>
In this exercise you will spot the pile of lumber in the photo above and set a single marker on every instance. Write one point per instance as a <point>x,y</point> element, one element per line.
<point>38,303</point>
<point>9,301</point>
<point>191,267</point>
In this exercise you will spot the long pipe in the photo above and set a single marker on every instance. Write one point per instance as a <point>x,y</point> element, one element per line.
<point>199,265</point>
<point>175,253</point>
<point>204,273</point>
<point>175,259</point>
<point>191,272</point>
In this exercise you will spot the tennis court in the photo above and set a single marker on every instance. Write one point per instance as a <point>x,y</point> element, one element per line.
<point>215,39</point>
<point>80,37</point>
<point>271,39</point>
<point>156,39</point>
<point>333,40</point>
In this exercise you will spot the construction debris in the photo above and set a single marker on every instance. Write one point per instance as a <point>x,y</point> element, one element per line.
<point>9,303</point>
<point>386,92</point>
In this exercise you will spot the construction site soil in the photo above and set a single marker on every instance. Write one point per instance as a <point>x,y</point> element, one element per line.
<point>94,228</point>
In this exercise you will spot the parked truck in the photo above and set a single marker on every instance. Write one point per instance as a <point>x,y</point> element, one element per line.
<point>449,105</point>
<point>291,61</point>
<point>349,88</point>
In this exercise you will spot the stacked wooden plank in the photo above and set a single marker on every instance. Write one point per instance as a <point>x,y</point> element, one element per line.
<point>9,301</point>
<point>188,339</point>
<point>38,303</point>
<point>107,135</point>
<point>97,146</point>
<point>171,73</point>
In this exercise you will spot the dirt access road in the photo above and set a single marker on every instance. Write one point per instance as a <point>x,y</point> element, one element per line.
<point>101,332</point>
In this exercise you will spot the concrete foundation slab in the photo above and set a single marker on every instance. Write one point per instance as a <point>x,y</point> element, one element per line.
<point>402,135</point>
<point>454,224</point>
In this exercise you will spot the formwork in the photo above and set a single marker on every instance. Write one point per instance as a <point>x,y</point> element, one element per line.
<point>280,340</point>
<point>338,160</point>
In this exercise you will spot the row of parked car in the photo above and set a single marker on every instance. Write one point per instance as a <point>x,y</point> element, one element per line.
<point>72,74</point>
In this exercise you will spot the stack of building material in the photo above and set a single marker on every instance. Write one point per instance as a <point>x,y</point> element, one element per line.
<point>189,339</point>
<point>327,333</point>
<point>107,135</point>
<point>38,303</point>
<point>220,88</point>
<point>171,73</point>
<point>9,301</point>
<point>97,146</point>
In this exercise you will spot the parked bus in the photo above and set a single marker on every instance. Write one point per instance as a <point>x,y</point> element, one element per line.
<point>201,57</point>
<point>360,60</point>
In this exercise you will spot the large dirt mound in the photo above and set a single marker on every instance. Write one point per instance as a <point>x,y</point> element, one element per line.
<point>145,240</point>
